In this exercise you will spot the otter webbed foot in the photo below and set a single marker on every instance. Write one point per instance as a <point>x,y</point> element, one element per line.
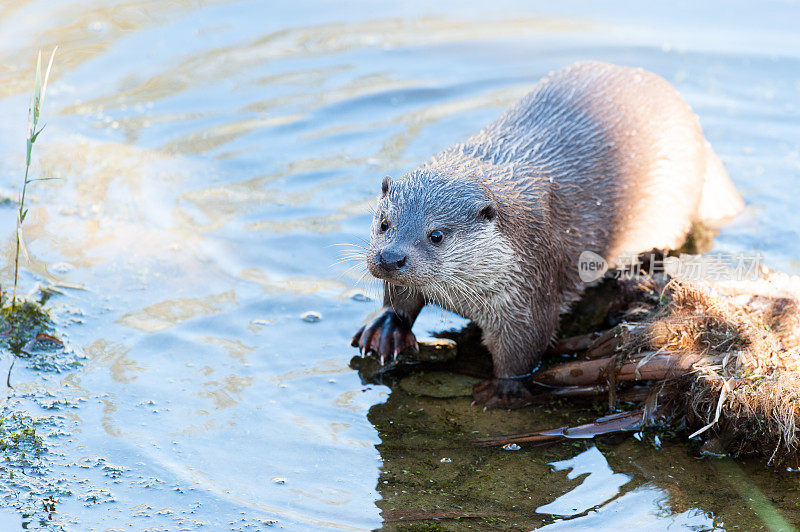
<point>386,337</point>
<point>502,393</point>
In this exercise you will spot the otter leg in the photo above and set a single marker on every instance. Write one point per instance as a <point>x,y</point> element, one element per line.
<point>390,333</point>
<point>502,393</point>
<point>516,349</point>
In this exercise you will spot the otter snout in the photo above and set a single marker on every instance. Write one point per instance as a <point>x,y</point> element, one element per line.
<point>391,260</point>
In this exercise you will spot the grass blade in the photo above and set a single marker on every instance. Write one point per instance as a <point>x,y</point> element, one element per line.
<point>22,243</point>
<point>47,72</point>
<point>37,91</point>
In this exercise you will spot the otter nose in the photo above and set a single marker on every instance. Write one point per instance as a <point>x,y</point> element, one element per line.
<point>391,259</point>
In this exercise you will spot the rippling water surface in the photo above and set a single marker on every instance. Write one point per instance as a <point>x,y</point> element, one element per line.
<point>213,154</point>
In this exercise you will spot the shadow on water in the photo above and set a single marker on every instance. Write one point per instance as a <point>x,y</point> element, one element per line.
<point>214,154</point>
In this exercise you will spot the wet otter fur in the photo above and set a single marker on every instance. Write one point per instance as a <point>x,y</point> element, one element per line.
<point>597,158</point>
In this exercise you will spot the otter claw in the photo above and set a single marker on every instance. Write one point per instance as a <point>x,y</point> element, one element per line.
<point>386,337</point>
<point>357,337</point>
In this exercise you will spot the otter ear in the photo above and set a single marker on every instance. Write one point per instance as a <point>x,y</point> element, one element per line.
<point>488,211</point>
<point>385,185</point>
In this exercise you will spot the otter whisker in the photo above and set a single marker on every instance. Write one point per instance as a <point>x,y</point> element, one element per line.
<point>469,292</point>
<point>348,259</point>
<point>361,277</point>
<point>482,299</point>
<point>388,292</point>
<point>352,270</point>
<point>449,302</point>
<point>350,264</point>
<point>349,244</point>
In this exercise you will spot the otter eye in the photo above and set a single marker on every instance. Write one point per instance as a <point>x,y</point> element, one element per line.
<point>384,225</point>
<point>436,236</point>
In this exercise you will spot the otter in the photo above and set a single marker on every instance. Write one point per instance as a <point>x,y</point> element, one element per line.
<point>597,157</point>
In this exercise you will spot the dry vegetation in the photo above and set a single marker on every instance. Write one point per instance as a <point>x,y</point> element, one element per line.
<point>720,361</point>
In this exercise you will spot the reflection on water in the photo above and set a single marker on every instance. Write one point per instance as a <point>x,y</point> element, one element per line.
<point>213,155</point>
<point>601,484</point>
<point>644,508</point>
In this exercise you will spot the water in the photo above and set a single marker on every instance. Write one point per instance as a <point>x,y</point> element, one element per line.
<point>212,154</point>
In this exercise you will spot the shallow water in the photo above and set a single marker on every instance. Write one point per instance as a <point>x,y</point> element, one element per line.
<point>213,154</point>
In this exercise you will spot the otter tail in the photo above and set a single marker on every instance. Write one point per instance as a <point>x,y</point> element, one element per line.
<point>720,201</point>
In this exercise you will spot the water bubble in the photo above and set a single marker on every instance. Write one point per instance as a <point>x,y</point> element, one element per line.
<point>360,297</point>
<point>311,316</point>
<point>98,26</point>
<point>62,267</point>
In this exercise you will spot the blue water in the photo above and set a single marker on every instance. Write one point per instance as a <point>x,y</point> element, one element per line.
<point>213,153</point>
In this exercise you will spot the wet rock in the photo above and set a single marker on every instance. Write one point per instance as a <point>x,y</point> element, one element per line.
<point>435,350</point>
<point>439,384</point>
<point>431,351</point>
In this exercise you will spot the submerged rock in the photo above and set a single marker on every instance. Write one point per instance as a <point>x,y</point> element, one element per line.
<point>432,351</point>
<point>441,384</point>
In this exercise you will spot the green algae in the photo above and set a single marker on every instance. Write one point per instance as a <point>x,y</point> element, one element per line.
<point>21,324</point>
<point>27,481</point>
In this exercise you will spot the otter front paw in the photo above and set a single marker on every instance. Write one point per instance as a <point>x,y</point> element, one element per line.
<point>502,393</point>
<point>388,336</point>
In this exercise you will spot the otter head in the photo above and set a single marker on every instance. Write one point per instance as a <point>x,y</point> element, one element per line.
<point>428,228</point>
